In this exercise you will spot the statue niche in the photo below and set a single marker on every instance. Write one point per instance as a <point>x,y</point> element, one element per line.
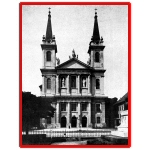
<point>63,82</point>
<point>84,82</point>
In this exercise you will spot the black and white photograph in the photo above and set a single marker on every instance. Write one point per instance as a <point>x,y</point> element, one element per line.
<point>75,75</point>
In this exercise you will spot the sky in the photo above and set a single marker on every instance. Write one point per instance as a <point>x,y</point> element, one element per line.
<point>73,28</point>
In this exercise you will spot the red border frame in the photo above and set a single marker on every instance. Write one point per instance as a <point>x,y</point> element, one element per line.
<point>129,75</point>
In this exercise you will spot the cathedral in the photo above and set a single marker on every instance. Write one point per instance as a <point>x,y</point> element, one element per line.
<point>74,88</point>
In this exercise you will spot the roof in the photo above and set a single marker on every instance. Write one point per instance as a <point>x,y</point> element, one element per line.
<point>75,60</point>
<point>122,100</point>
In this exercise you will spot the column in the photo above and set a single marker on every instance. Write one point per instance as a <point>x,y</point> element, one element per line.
<point>57,112</point>
<point>57,84</point>
<point>68,86</point>
<point>53,118</point>
<point>78,84</point>
<point>102,85</point>
<point>68,118</point>
<point>43,85</point>
<point>79,114</point>
<point>92,59</point>
<point>89,85</point>
<point>89,114</point>
<point>103,112</point>
<point>43,59</point>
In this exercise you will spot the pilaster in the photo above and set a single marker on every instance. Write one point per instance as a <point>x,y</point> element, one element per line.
<point>103,112</point>
<point>79,115</point>
<point>89,122</point>
<point>68,120</point>
<point>89,85</point>
<point>57,114</point>
<point>102,85</point>
<point>78,84</point>
<point>57,84</point>
<point>68,85</point>
<point>43,85</point>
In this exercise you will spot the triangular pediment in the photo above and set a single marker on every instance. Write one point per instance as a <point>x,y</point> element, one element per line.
<point>73,64</point>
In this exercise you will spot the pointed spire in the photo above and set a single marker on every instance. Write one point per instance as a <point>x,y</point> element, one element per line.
<point>49,28</point>
<point>96,36</point>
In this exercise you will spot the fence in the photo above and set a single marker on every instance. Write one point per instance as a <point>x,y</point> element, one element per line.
<point>68,133</point>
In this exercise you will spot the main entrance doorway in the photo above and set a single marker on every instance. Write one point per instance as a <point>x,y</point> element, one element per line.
<point>63,122</point>
<point>74,122</point>
<point>84,121</point>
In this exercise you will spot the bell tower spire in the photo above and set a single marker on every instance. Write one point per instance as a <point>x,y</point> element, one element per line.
<point>49,46</point>
<point>96,47</point>
<point>49,28</point>
<point>96,36</point>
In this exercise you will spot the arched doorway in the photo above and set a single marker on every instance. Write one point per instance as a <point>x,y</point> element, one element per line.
<point>63,122</point>
<point>74,122</point>
<point>84,121</point>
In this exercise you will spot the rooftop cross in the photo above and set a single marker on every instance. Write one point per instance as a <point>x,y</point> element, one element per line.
<point>49,10</point>
<point>95,11</point>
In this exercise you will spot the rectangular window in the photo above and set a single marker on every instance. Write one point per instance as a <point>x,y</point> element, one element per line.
<point>73,107</point>
<point>119,108</point>
<point>73,82</point>
<point>84,106</point>
<point>98,120</point>
<point>48,120</point>
<point>48,56</point>
<point>48,83</point>
<point>98,108</point>
<point>97,84</point>
<point>63,106</point>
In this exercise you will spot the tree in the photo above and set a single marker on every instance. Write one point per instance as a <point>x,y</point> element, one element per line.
<point>34,108</point>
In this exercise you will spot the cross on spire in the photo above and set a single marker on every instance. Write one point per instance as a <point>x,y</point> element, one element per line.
<point>95,11</point>
<point>49,27</point>
<point>96,35</point>
<point>49,11</point>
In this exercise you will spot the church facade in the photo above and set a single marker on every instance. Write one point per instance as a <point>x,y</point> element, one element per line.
<point>74,88</point>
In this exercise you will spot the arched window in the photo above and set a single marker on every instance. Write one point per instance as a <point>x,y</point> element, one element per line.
<point>48,83</point>
<point>48,56</point>
<point>97,84</point>
<point>97,57</point>
<point>98,120</point>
